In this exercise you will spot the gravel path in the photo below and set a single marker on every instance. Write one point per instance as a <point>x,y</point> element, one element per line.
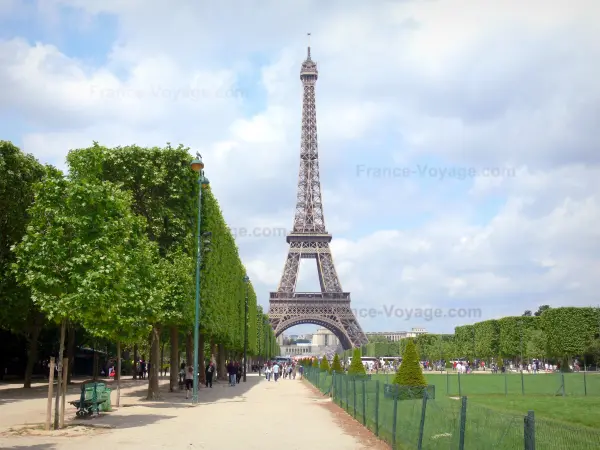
<point>255,415</point>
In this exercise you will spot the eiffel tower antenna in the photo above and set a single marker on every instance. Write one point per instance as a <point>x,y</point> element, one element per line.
<point>309,238</point>
<point>308,35</point>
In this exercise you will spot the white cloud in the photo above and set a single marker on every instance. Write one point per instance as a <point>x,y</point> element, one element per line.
<point>444,83</point>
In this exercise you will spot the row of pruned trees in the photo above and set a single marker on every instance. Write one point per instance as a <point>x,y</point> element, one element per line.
<point>110,248</point>
<point>556,333</point>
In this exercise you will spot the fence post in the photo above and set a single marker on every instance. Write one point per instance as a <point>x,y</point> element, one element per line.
<point>377,408</point>
<point>463,423</point>
<point>459,386</point>
<point>364,403</point>
<point>395,418</point>
<point>562,380</point>
<point>354,394</point>
<point>347,394</point>
<point>422,424</point>
<point>447,383</point>
<point>584,383</point>
<point>529,431</point>
<point>505,383</point>
<point>522,382</point>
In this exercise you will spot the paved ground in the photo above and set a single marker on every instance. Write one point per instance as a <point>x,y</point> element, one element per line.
<point>256,415</point>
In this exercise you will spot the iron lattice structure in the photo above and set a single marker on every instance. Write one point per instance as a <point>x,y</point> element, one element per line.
<point>329,308</point>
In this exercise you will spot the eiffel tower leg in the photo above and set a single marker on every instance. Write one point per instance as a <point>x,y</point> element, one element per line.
<point>290,272</point>
<point>327,273</point>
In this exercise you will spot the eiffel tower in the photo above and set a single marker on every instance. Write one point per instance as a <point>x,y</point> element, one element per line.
<point>329,308</point>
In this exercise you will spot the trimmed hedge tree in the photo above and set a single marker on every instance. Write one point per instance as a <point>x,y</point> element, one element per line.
<point>336,365</point>
<point>356,365</point>
<point>325,364</point>
<point>410,372</point>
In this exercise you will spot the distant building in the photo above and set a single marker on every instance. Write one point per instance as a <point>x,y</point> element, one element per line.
<point>324,338</point>
<point>395,336</point>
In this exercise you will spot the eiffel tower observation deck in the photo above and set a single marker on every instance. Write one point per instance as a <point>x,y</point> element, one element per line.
<point>329,308</point>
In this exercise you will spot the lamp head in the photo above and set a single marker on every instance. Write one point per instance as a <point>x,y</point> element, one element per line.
<point>246,278</point>
<point>205,182</point>
<point>197,164</point>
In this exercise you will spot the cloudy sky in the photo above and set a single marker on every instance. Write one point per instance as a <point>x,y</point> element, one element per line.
<point>459,163</point>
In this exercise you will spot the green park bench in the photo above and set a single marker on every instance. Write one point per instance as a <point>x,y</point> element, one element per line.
<point>94,397</point>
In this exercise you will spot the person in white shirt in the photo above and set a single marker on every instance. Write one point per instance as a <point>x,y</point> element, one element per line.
<point>276,371</point>
<point>268,372</point>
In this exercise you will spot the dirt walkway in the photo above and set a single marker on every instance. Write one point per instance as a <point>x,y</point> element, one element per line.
<point>255,415</point>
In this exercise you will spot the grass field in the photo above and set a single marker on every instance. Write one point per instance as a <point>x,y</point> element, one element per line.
<point>493,419</point>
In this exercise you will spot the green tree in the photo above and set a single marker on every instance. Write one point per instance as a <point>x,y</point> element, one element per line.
<point>336,365</point>
<point>315,362</point>
<point>569,331</point>
<point>18,314</point>
<point>541,310</point>
<point>356,365</point>
<point>74,255</point>
<point>325,364</point>
<point>410,372</point>
<point>536,344</point>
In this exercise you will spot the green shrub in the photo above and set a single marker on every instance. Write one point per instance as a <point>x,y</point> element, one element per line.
<point>336,365</point>
<point>410,372</point>
<point>315,362</point>
<point>356,365</point>
<point>325,364</point>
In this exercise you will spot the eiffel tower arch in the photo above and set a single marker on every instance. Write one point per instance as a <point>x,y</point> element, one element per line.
<point>309,238</point>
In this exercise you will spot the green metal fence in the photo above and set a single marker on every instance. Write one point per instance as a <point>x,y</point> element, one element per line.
<point>443,422</point>
<point>580,384</point>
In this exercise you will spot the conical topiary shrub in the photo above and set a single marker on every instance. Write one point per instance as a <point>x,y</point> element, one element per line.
<point>336,365</point>
<point>356,365</point>
<point>325,364</point>
<point>315,362</point>
<point>410,373</point>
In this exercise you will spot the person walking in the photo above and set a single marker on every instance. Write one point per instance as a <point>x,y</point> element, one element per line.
<point>268,372</point>
<point>209,372</point>
<point>189,381</point>
<point>232,371</point>
<point>276,372</point>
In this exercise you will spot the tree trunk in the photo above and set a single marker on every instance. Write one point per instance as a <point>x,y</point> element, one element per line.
<point>189,349</point>
<point>221,362</point>
<point>32,351</point>
<point>135,361</point>
<point>153,385</point>
<point>70,352</point>
<point>162,359</point>
<point>61,351</point>
<point>202,377</point>
<point>118,374</point>
<point>174,360</point>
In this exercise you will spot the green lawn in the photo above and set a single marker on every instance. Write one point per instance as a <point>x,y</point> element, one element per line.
<point>493,419</point>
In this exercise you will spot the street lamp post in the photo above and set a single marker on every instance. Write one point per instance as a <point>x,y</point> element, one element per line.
<point>198,167</point>
<point>247,281</point>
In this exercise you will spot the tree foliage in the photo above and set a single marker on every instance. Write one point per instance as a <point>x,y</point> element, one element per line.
<point>410,372</point>
<point>570,331</point>
<point>356,365</point>
<point>325,364</point>
<point>19,173</point>
<point>336,365</point>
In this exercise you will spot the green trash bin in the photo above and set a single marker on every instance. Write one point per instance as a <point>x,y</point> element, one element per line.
<point>106,406</point>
